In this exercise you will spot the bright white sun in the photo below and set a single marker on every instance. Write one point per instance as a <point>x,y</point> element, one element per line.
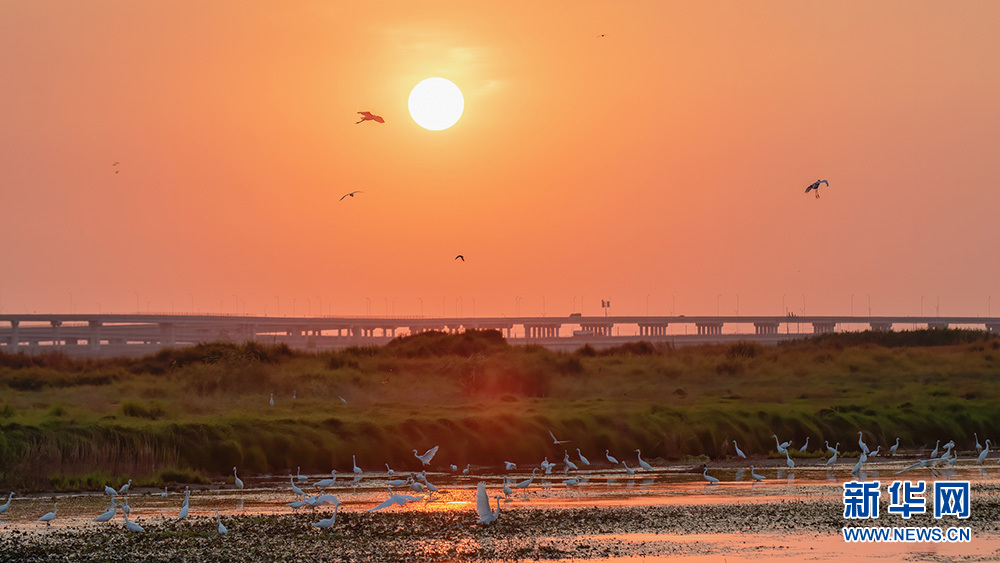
<point>436,104</point>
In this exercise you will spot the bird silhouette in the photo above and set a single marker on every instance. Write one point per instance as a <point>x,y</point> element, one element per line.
<point>350,194</point>
<point>815,186</point>
<point>460,256</point>
<point>369,116</point>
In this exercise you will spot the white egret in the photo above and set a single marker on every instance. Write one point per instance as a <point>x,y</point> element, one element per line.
<point>875,451</point>
<point>124,489</point>
<point>546,466</point>
<point>164,494</point>
<point>861,442</point>
<point>583,460</point>
<point>483,505</point>
<point>782,448</point>
<point>394,498</point>
<point>893,448</point>
<point>527,482</point>
<point>628,469</point>
<point>109,514</point>
<point>642,463</point>
<point>327,522</point>
<point>430,486</point>
<point>295,489</point>
<point>979,447</point>
<point>611,458</point>
<point>342,400</point>
<point>239,482</point>
<point>428,455</point>
<point>327,482</point>
<point>184,511</point>
<point>917,465</point>
<point>47,518</point>
<point>389,470</point>
<point>755,476</point>
<point>297,504</point>
<point>507,491</point>
<point>6,505</point>
<point>132,526</point>
<point>788,460</point>
<point>510,465</point>
<point>934,452</point>
<point>396,482</point>
<point>327,498</point>
<point>415,486</point>
<point>357,470</point>
<point>984,453</point>
<point>466,470</point>
<point>711,480</point>
<point>805,446</point>
<point>833,458</point>
<point>949,446</point>
<point>557,441</point>
<point>454,467</point>
<point>272,399</point>
<point>222,529</point>
<point>857,466</point>
<point>298,474</point>
<point>739,452</point>
<point>572,482</point>
<point>109,491</point>
<point>125,507</point>
<point>569,464</point>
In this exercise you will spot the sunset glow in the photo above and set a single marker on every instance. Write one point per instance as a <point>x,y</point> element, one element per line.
<point>654,154</point>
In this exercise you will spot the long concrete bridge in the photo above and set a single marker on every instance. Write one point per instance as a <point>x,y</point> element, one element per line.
<point>132,335</point>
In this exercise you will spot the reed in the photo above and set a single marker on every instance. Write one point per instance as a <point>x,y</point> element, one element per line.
<point>196,412</point>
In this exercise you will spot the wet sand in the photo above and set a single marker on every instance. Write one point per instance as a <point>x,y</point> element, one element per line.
<point>666,514</point>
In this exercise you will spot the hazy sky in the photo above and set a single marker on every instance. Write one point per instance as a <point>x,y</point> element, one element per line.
<point>661,165</point>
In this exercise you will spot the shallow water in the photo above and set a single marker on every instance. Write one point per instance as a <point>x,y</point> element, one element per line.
<point>599,488</point>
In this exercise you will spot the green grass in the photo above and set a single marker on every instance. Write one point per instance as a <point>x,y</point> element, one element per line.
<point>196,412</point>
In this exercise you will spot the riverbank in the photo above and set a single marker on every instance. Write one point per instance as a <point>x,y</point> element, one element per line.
<point>190,415</point>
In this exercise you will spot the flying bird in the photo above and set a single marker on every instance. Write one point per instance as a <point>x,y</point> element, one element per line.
<point>428,455</point>
<point>460,257</point>
<point>815,186</point>
<point>350,194</point>
<point>556,441</point>
<point>369,116</point>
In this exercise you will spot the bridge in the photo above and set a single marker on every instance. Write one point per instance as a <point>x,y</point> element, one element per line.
<point>110,335</point>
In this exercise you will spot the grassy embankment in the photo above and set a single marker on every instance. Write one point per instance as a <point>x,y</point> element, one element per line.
<point>191,414</point>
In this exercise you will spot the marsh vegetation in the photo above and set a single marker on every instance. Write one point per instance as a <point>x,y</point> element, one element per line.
<point>190,415</point>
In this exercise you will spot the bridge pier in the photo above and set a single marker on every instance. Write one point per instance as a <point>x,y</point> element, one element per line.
<point>56,341</point>
<point>824,327</point>
<point>881,327</point>
<point>705,329</point>
<point>598,329</point>
<point>652,329</point>
<point>94,336</point>
<point>766,328</point>
<point>14,343</point>
<point>541,331</point>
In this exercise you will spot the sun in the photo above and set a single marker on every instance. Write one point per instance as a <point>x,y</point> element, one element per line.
<point>436,103</point>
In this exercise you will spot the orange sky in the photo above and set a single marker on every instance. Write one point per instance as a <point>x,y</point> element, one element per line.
<point>663,163</point>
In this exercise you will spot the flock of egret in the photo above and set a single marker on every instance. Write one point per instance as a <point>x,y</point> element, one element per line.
<point>417,482</point>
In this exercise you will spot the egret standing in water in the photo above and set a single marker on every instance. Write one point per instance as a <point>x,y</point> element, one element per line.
<point>6,505</point>
<point>739,452</point>
<point>47,518</point>
<point>239,482</point>
<point>642,463</point>
<point>583,460</point>
<point>222,529</point>
<point>611,459</point>
<point>327,522</point>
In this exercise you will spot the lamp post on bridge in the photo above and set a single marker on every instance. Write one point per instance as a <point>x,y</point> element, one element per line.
<point>921,305</point>
<point>717,298</point>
